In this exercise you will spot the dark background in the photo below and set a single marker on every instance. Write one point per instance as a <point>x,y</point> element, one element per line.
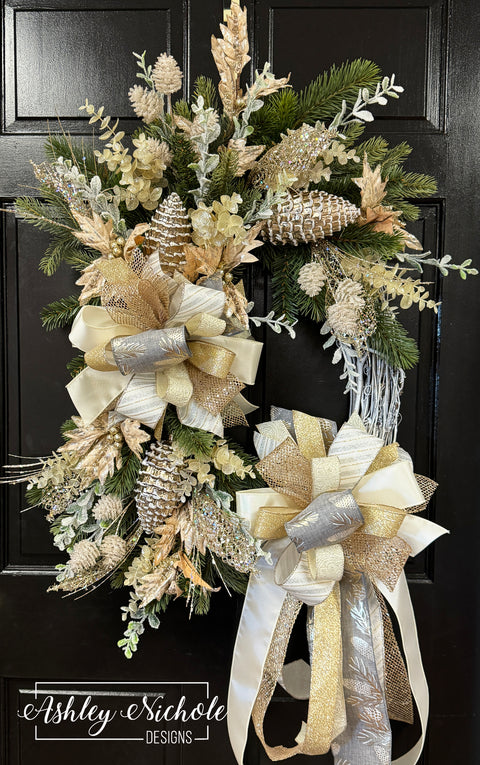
<point>56,53</point>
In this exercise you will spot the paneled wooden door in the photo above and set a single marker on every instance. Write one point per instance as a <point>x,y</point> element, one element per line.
<point>56,52</point>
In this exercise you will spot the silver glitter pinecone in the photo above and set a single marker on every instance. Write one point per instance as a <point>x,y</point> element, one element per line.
<point>159,488</point>
<point>307,216</point>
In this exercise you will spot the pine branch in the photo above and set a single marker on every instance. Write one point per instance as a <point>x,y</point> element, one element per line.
<point>233,579</point>
<point>193,441</point>
<point>322,99</point>
<point>179,175</point>
<point>81,155</point>
<point>312,307</point>
<point>76,365</point>
<point>33,496</point>
<point>66,427</point>
<point>44,216</point>
<point>279,113</point>
<point>182,108</point>
<point>205,87</point>
<point>223,179</point>
<point>60,313</point>
<point>284,263</point>
<point>124,480</point>
<point>393,343</point>
<point>362,241</point>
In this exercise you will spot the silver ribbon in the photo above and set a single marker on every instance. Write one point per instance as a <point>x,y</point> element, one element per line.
<point>367,738</point>
<point>327,520</point>
<point>150,351</point>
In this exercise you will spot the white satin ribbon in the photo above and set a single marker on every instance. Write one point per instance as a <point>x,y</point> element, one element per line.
<point>261,609</point>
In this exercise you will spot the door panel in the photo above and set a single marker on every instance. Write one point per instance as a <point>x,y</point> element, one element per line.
<point>56,53</point>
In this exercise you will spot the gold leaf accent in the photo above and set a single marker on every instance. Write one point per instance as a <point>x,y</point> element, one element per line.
<point>231,55</point>
<point>188,570</point>
<point>95,232</point>
<point>134,436</point>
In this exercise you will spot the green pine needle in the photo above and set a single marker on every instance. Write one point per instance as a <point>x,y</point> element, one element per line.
<point>76,365</point>
<point>205,87</point>
<point>322,99</point>
<point>393,343</point>
<point>60,313</point>
<point>193,441</point>
<point>124,480</point>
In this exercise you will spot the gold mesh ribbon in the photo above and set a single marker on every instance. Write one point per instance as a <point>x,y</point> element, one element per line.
<point>213,393</point>
<point>385,457</point>
<point>427,487</point>
<point>325,684</point>
<point>378,557</point>
<point>233,415</point>
<point>270,522</point>
<point>397,686</point>
<point>288,471</point>
<point>211,359</point>
<point>309,435</point>
<point>134,298</point>
<point>381,520</point>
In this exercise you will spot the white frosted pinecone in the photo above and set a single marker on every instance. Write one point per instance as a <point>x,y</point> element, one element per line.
<point>108,508</point>
<point>113,549</point>
<point>351,292</point>
<point>167,75</point>
<point>147,104</point>
<point>169,232</point>
<point>83,556</point>
<point>343,319</point>
<point>159,150</point>
<point>311,278</point>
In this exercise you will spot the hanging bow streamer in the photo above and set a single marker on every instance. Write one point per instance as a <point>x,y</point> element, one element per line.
<point>187,362</point>
<point>338,521</point>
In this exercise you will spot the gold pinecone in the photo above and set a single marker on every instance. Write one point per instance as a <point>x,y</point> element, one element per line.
<point>311,278</point>
<point>169,232</point>
<point>83,556</point>
<point>167,75</point>
<point>147,104</point>
<point>159,488</point>
<point>306,216</point>
<point>113,549</point>
<point>108,508</point>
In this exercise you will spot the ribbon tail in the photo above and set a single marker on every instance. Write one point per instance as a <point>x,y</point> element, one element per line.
<point>261,609</point>
<point>367,738</point>
<point>401,604</point>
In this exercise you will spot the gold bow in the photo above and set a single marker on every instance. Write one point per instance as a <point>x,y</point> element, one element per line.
<point>157,341</point>
<point>342,501</point>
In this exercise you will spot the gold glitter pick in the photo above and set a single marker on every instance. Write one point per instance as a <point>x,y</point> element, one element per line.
<point>296,154</point>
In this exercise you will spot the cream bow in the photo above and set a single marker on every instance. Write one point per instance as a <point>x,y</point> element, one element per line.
<point>189,362</point>
<point>346,504</point>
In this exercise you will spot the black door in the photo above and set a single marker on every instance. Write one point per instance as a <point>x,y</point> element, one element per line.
<point>56,52</point>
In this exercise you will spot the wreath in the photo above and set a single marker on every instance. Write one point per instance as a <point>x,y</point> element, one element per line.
<point>147,491</point>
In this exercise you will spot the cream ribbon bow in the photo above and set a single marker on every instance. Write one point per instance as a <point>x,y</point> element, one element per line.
<point>146,370</point>
<point>360,492</point>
